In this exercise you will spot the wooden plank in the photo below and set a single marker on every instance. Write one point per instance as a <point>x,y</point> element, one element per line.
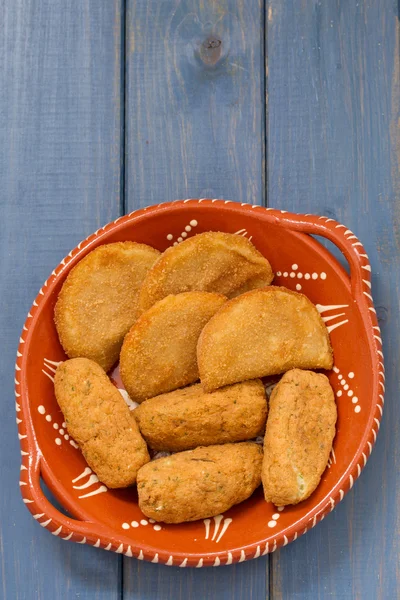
<point>60,174</point>
<point>195,100</point>
<point>334,149</point>
<point>194,116</point>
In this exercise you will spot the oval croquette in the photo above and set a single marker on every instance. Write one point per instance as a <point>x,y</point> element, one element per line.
<point>100,422</point>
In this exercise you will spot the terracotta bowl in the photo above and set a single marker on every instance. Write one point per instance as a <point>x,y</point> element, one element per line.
<point>111,519</point>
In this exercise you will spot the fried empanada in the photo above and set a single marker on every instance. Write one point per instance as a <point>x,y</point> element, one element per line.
<point>99,300</point>
<point>263,332</point>
<point>223,263</point>
<point>159,352</point>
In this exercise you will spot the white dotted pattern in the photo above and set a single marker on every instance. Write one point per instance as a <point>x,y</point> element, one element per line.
<point>274,519</point>
<point>58,441</point>
<point>188,228</point>
<point>143,523</point>
<point>346,388</point>
<point>295,273</point>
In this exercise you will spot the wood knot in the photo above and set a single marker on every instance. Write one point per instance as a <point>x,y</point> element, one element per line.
<point>210,50</point>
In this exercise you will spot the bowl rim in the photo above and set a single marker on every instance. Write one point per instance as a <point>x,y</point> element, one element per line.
<point>97,534</point>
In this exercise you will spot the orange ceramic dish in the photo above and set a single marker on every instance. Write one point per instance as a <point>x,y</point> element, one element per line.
<point>111,519</point>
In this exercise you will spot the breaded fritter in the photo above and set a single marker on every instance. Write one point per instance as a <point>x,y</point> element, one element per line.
<point>224,263</point>
<point>188,417</point>
<point>99,300</point>
<point>199,483</point>
<point>263,332</point>
<point>159,352</point>
<point>100,422</point>
<point>299,436</point>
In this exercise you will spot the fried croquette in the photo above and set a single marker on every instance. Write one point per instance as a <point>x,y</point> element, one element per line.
<point>99,300</point>
<point>188,417</point>
<point>100,422</point>
<point>223,263</point>
<point>159,352</point>
<point>199,483</point>
<point>299,435</point>
<point>263,332</point>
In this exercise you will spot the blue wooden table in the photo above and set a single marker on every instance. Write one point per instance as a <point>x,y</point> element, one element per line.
<point>110,105</point>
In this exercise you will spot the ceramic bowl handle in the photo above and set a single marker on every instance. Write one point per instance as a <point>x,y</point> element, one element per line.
<point>47,515</point>
<point>345,240</point>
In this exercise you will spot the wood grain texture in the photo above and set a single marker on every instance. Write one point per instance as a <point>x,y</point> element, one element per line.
<point>60,63</point>
<point>195,100</point>
<point>334,149</point>
<point>195,128</point>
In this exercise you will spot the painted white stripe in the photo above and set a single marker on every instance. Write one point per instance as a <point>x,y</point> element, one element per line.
<point>48,375</point>
<point>68,537</point>
<point>366,267</point>
<point>183,563</point>
<point>266,550</point>
<point>21,437</point>
<point>331,328</point>
<point>129,553</point>
<point>367,283</point>
<point>365,458</point>
<point>83,541</point>
<point>217,562</point>
<point>368,295</point>
<point>170,561</point>
<point>155,559</point>
<point>57,531</point>
<point>358,470</point>
<point>120,549</point>
<point>224,528</point>
<point>314,521</point>
<point>38,516</point>
<point>327,319</point>
<point>242,556</point>
<point>229,561</point>
<point>100,490</point>
<point>87,471</point>
<point>97,544</point>
<point>108,547</point>
<point>199,564</point>
<point>257,552</point>
<point>217,521</point>
<point>91,481</point>
<point>377,422</point>
<point>45,523</point>
<point>207,526</point>
<point>286,541</point>
<point>351,481</point>
<point>325,307</point>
